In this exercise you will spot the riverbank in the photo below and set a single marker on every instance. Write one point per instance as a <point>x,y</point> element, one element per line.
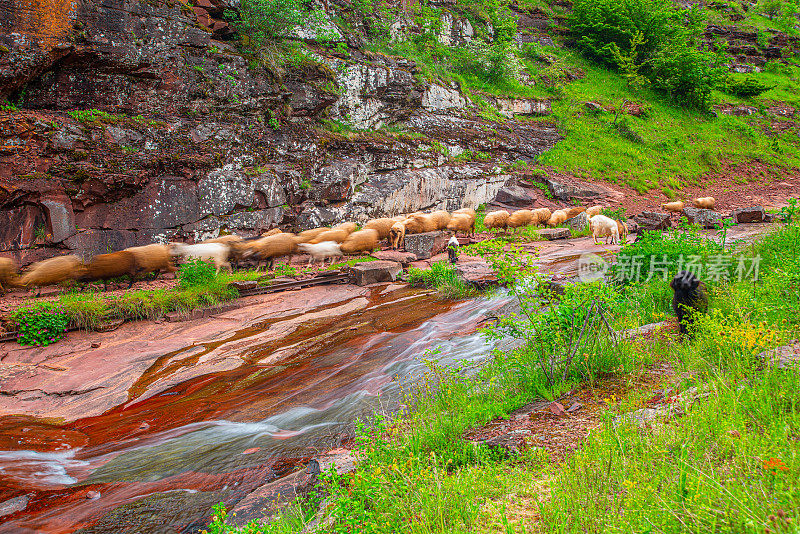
<point>710,445</point>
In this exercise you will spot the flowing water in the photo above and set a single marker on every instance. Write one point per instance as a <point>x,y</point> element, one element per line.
<point>158,462</point>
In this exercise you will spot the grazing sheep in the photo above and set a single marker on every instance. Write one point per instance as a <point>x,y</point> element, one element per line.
<point>557,217</point>
<point>348,227</point>
<point>112,265</point>
<point>215,252</point>
<point>520,218</point>
<point>676,207</point>
<point>591,211</point>
<point>226,239</point>
<point>274,246</point>
<point>462,222</point>
<point>51,271</point>
<point>382,226</point>
<point>622,228</point>
<point>320,251</point>
<point>440,219</point>
<point>542,216</point>
<point>574,212</point>
<point>706,203</point>
<point>467,211</point>
<point>337,235</point>
<point>397,235</point>
<point>360,241</point>
<point>153,258</point>
<point>8,274</point>
<point>307,236</point>
<point>603,226</point>
<point>496,219</point>
<point>690,298</point>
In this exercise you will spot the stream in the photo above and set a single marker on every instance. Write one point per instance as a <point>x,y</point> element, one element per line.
<point>158,462</point>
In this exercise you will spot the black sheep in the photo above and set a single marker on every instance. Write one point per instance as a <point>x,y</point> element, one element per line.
<point>690,297</point>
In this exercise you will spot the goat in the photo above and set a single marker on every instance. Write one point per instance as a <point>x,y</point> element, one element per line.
<point>603,226</point>
<point>112,265</point>
<point>397,235</point>
<point>153,258</point>
<point>52,271</point>
<point>382,226</point>
<point>320,251</point>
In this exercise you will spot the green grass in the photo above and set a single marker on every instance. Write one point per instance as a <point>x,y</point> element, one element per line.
<point>441,276</point>
<point>730,464</point>
<point>677,146</point>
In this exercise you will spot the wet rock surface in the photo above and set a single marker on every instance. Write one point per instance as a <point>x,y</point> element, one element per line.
<point>373,272</point>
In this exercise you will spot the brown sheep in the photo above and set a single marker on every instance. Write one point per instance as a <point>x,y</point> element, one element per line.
<point>335,235</point>
<point>153,258</point>
<point>360,241</point>
<point>706,203</point>
<point>397,235</point>
<point>9,276</point>
<point>52,271</point>
<point>440,218</point>
<point>427,222</point>
<point>574,212</point>
<point>676,207</point>
<point>348,227</point>
<point>557,217</point>
<point>462,222</point>
<point>496,219</point>
<point>467,211</point>
<point>112,265</point>
<point>622,228</point>
<point>382,226</point>
<point>274,246</point>
<point>542,216</point>
<point>274,231</point>
<point>593,210</point>
<point>520,218</point>
<point>306,236</point>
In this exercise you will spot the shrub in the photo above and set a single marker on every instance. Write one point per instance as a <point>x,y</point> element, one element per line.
<point>618,214</point>
<point>443,277</point>
<point>196,273</point>
<point>40,324</point>
<point>747,87</point>
<point>649,40</point>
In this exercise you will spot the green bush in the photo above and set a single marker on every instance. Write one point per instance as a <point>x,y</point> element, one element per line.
<point>649,41</point>
<point>747,87</point>
<point>40,324</point>
<point>443,277</point>
<point>196,273</point>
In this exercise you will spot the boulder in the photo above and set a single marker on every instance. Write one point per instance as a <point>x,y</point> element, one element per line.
<point>552,234</point>
<point>395,255</point>
<point>705,218</point>
<point>649,220</point>
<point>579,222</point>
<point>373,272</point>
<point>427,244</point>
<point>513,195</point>
<point>755,214</point>
<point>478,273</point>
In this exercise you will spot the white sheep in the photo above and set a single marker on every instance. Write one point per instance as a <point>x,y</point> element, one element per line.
<point>603,226</point>
<point>215,252</point>
<point>321,251</point>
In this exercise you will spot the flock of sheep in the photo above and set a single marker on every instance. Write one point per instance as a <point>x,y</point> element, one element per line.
<point>319,244</point>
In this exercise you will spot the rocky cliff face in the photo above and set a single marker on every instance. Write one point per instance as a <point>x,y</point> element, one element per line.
<point>134,123</point>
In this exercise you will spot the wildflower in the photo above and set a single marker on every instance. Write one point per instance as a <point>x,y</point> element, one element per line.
<point>774,465</point>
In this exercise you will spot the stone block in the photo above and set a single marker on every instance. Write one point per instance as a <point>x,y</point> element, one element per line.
<point>755,214</point>
<point>395,255</point>
<point>705,218</point>
<point>477,273</point>
<point>372,272</point>
<point>579,222</point>
<point>426,244</point>
<point>552,234</point>
<point>649,220</point>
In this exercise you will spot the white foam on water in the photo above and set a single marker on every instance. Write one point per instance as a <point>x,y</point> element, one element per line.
<point>42,470</point>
